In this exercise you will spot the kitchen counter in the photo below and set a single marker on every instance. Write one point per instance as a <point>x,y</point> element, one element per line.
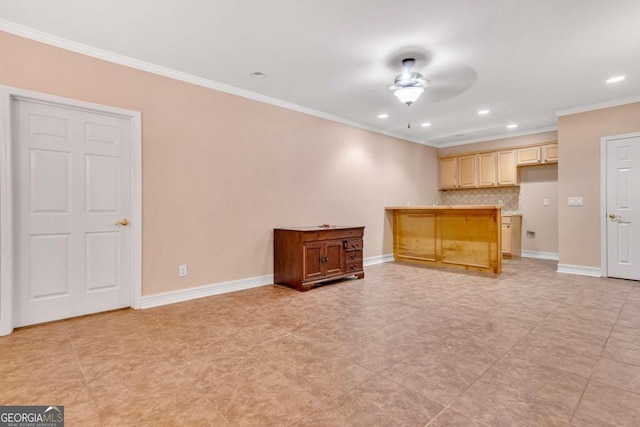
<point>444,207</point>
<point>465,236</point>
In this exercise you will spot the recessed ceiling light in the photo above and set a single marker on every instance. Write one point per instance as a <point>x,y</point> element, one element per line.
<point>616,79</point>
<point>258,75</point>
<point>424,125</point>
<point>512,126</point>
<point>483,112</point>
<point>383,116</point>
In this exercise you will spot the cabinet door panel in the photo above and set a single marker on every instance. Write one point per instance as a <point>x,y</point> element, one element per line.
<point>448,172</point>
<point>507,172</point>
<point>468,171</point>
<point>506,239</point>
<point>550,153</point>
<point>529,156</point>
<point>487,168</point>
<point>312,260</point>
<point>334,253</point>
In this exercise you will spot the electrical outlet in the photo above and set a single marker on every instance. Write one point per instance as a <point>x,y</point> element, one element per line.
<point>182,270</point>
<point>575,201</point>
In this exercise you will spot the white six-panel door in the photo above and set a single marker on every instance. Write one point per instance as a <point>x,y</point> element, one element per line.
<point>623,210</point>
<point>72,185</point>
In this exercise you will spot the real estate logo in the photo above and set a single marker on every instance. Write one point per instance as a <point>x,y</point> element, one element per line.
<point>32,416</point>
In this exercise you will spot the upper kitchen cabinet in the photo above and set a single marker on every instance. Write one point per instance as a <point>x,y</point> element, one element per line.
<point>550,153</point>
<point>537,155</point>
<point>468,171</point>
<point>459,172</point>
<point>507,169</point>
<point>492,169</point>
<point>449,173</point>
<point>487,170</point>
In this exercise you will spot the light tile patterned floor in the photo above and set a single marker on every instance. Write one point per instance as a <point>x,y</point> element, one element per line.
<point>407,346</point>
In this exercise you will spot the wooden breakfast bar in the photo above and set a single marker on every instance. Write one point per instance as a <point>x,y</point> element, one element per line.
<point>448,236</point>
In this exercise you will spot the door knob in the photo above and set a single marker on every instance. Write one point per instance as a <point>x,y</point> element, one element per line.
<point>613,216</point>
<point>124,222</point>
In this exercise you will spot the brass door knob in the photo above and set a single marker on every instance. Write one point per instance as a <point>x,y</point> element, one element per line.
<point>613,216</point>
<point>124,222</point>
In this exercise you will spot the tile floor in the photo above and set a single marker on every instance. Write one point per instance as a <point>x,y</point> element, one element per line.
<point>407,346</point>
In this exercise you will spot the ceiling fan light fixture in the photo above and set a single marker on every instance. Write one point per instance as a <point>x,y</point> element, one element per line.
<point>408,94</point>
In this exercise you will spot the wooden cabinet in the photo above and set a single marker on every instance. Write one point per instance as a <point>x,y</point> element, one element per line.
<point>491,169</point>
<point>323,259</point>
<point>550,153</point>
<point>487,170</point>
<point>459,172</point>
<point>529,156</point>
<point>468,171</point>
<point>538,155</point>
<point>306,256</point>
<point>511,236</point>
<point>448,236</point>
<point>507,169</point>
<point>449,173</point>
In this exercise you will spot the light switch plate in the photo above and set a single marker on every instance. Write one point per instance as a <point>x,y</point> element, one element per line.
<point>545,202</point>
<point>576,201</point>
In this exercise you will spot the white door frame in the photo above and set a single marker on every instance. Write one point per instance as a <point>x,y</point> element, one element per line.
<point>7,141</point>
<point>603,197</point>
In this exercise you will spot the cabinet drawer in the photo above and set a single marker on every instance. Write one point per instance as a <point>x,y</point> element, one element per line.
<point>353,245</point>
<point>352,266</point>
<point>506,220</point>
<point>321,234</point>
<point>353,255</point>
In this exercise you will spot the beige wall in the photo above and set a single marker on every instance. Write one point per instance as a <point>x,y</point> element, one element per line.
<point>579,175</point>
<point>536,184</point>
<point>221,171</point>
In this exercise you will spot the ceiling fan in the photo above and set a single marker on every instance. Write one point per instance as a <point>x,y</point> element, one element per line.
<point>409,85</point>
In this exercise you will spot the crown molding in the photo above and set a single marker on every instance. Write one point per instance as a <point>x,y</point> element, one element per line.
<point>52,40</point>
<point>499,137</point>
<point>598,106</point>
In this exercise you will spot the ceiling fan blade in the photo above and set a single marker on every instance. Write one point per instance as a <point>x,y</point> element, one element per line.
<point>449,81</point>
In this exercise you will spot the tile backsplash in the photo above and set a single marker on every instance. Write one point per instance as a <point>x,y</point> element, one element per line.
<point>483,196</point>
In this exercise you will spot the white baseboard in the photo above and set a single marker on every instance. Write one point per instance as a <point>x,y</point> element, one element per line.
<point>380,259</point>
<point>580,269</point>
<point>541,255</point>
<point>173,297</point>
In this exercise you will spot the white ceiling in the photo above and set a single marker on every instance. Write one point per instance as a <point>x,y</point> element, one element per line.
<point>521,59</point>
